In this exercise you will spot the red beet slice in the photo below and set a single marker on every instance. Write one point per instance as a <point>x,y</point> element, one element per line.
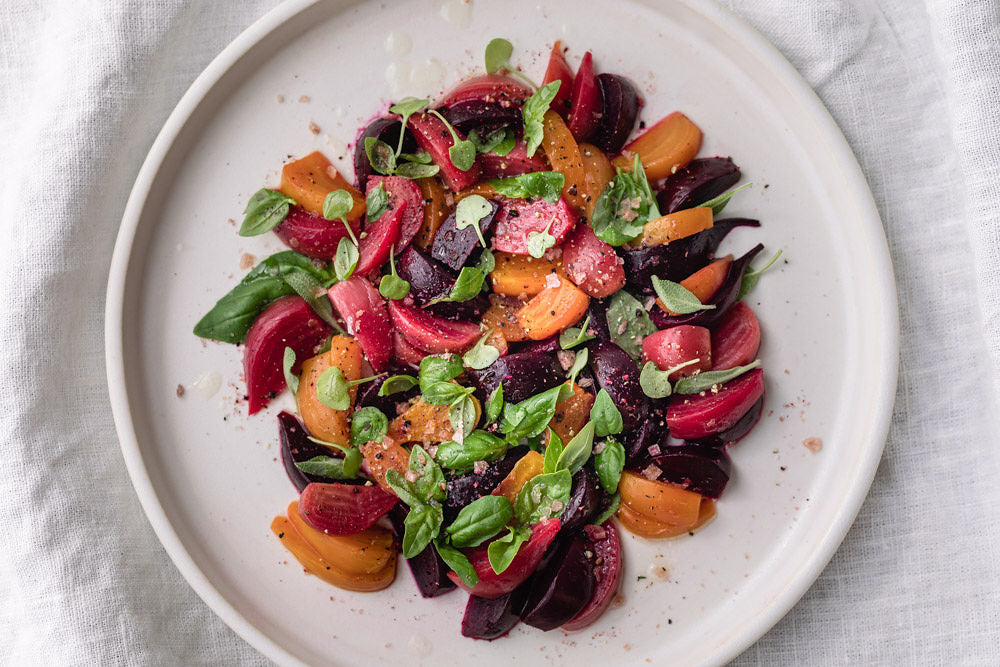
<point>489,88</point>
<point>432,334</point>
<point>379,238</point>
<point>489,619</point>
<point>619,110</point>
<point>514,163</point>
<point>312,235</point>
<point>519,217</point>
<point>558,69</point>
<point>695,184</point>
<point>429,572</point>
<point>696,467</point>
<point>363,311</point>
<point>607,574</point>
<point>585,100</point>
<point>591,263</point>
<point>404,352</point>
<point>344,509</point>
<point>736,338</point>
<point>492,585</point>
<point>694,416</point>
<point>297,447</point>
<point>561,589</point>
<point>433,136</point>
<point>616,372</point>
<point>677,345</point>
<point>288,322</point>
<point>402,193</point>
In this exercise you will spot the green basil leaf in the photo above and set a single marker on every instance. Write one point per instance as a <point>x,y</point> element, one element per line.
<point>413,171</point>
<point>543,497</point>
<point>752,275</point>
<point>495,405</point>
<point>462,416</point>
<point>477,446</point>
<point>580,359</point>
<point>470,213</point>
<point>605,416</point>
<point>392,286</point>
<point>578,449</point>
<point>499,141</point>
<point>439,368</point>
<point>678,298</point>
<point>507,145</point>
<point>481,355</point>
<point>420,157</point>
<point>532,415</point>
<point>396,384</point>
<point>457,561</point>
<point>486,262</point>
<point>462,154</point>
<point>694,384</point>
<point>538,242</point>
<point>575,336</point>
<point>403,489</point>
<point>468,284</point>
<point>443,393</point>
<point>376,203</point>
<point>265,211</point>
<point>498,53</point>
<point>330,467</point>
<point>337,204</point>
<point>501,552</point>
<point>429,484</point>
<point>287,361</point>
<point>547,185</point>
<point>609,511</point>
<point>533,112</point>
<point>654,382</point>
<point>609,463</point>
<point>480,520</point>
<point>381,157</point>
<point>719,203</point>
<point>552,452</point>
<point>624,207</point>
<point>314,294</point>
<point>421,526</point>
<point>628,323</point>
<point>332,389</point>
<point>639,176</point>
<point>346,260</point>
<point>368,424</point>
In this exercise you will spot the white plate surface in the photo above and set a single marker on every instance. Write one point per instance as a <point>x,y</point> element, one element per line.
<point>209,477</point>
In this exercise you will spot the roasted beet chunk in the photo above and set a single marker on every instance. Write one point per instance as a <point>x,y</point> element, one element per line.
<point>453,246</point>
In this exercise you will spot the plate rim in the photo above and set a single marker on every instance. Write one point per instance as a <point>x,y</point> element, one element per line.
<point>727,21</point>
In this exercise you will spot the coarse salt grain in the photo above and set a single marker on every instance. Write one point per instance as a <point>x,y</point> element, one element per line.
<point>479,467</point>
<point>651,472</point>
<point>566,358</point>
<point>411,476</point>
<point>654,450</point>
<point>551,280</point>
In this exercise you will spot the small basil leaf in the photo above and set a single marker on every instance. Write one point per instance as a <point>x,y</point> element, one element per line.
<point>547,185</point>
<point>694,384</point>
<point>552,452</point>
<point>468,284</point>
<point>507,145</point>
<point>495,405</point>
<point>408,106</point>
<point>628,323</point>
<point>719,203</point>
<point>480,520</point>
<point>502,551</point>
<point>404,490</point>
<point>498,53</point>
<point>532,415</point>
<point>538,242</point>
<point>543,497</point>
<point>477,446</point>
<point>609,511</point>
<point>392,286</point>
<point>337,204</point>
<point>578,450</point>
<point>396,384</point>
<point>332,389</point>
<point>533,112</point>
<point>346,260</point>
<point>752,275</point>
<point>575,336</point>
<point>368,424</point>
<point>580,359</point>
<point>421,157</point>
<point>376,203</point>
<point>462,416</point>
<point>457,561</point>
<point>265,211</point>
<point>439,368</point>
<point>609,463</point>
<point>413,171</point>
<point>443,393</point>
<point>678,298</point>
<point>462,154</point>
<point>654,382</point>
<point>421,526</point>
<point>605,416</point>
<point>330,467</point>
<point>429,484</point>
<point>381,156</point>
<point>287,361</point>
<point>624,207</point>
<point>481,355</point>
<point>470,212</point>
<point>313,293</point>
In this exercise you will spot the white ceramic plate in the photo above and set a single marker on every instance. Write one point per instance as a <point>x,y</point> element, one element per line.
<point>209,477</point>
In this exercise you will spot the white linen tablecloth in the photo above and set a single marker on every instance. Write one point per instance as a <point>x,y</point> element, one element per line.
<point>915,86</point>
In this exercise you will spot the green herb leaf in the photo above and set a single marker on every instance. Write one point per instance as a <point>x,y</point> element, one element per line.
<point>654,382</point>
<point>480,520</point>
<point>287,361</point>
<point>381,157</point>
<point>532,415</point>
<point>420,157</point>
<point>694,384</point>
<point>337,205</point>
<point>678,298</point>
<point>421,526</point>
<point>609,463</point>
<point>580,359</point>
<point>624,207</point>
<point>605,416</point>
<point>628,323</point>
<point>444,393</point>
<point>468,284</point>
<point>462,154</point>
<point>752,275</point>
<point>609,511</point>
<point>403,489</point>
<point>346,260</point>
<point>719,203</point>
<point>533,112</point>
<point>470,212</point>
<point>575,336</point>
<point>495,405</point>
<point>392,286</point>
<point>265,211</point>
<point>462,416</point>
<point>507,145</point>
<point>330,467</point>
<point>457,561</point>
<point>406,107</point>
<point>502,551</point>
<point>499,141</point>
<point>313,293</point>
<point>538,242</point>
<point>547,185</point>
<point>477,446</point>
<point>430,480</point>
<point>413,171</point>
<point>352,456</point>
<point>578,449</point>
<point>481,355</point>
<point>376,203</point>
<point>396,384</point>
<point>332,389</point>
<point>439,368</point>
<point>543,497</point>
<point>368,424</point>
<point>553,450</point>
<point>498,53</point>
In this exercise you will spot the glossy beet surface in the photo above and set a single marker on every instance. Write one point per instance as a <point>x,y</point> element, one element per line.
<point>405,194</point>
<point>344,509</point>
<point>430,280</point>
<point>693,416</point>
<point>678,259</point>
<point>433,136</point>
<point>297,447</point>
<point>737,431</point>
<point>561,589</point>
<point>432,334</point>
<point>736,339</point>
<point>386,129</point>
<point>591,263</point>
<point>288,322</point>
<point>652,431</point>
<point>597,326</point>
<point>584,500</point>
<point>615,371</point>
<point>492,585</point>
<point>363,310</point>
<point>429,572</point>
<point>483,116</point>
<point>453,246</point>
<point>489,619</point>
<point>608,568</point>
<point>519,217</point>
<point>585,100</point>
<point>379,239</point>
<point>514,163</point>
<point>558,70</point>
<point>312,235</point>
<point>523,374</point>
<point>723,299</point>
<point>701,180</point>
<point>488,88</point>
<point>619,109</point>
<point>465,488</point>
<point>549,345</point>
<point>699,468</point>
